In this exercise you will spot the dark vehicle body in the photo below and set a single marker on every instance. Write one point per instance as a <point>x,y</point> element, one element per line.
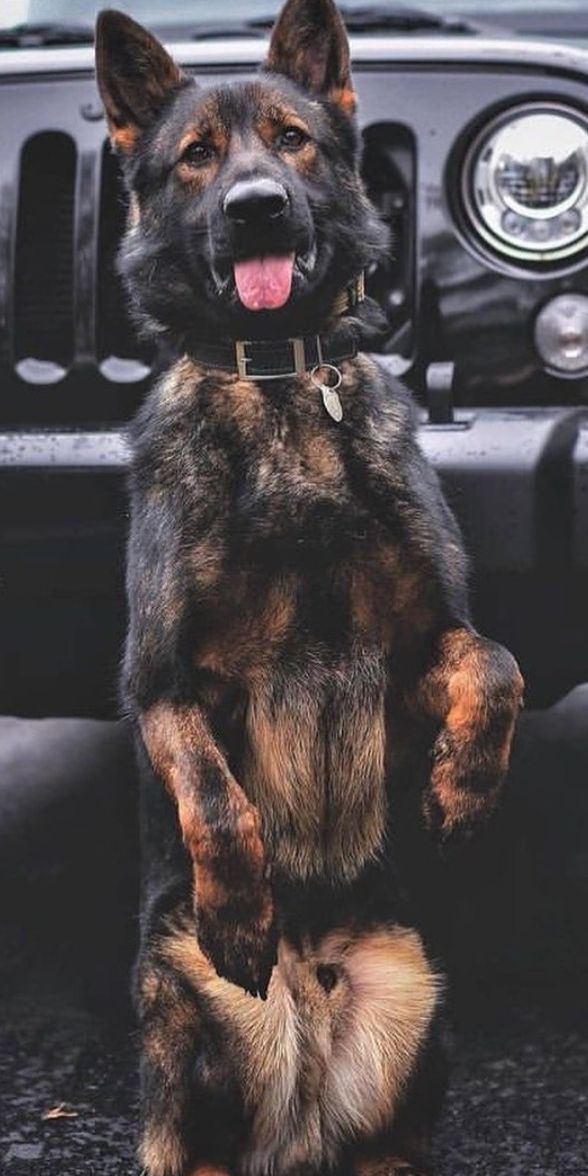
<point>513,459</point>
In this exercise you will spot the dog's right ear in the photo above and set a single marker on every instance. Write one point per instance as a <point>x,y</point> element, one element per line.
<point>135,76</point>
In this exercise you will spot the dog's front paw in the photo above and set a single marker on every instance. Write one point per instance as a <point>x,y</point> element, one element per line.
<point>239,937</point>
<point>234,904</point>
<point>466,781</point>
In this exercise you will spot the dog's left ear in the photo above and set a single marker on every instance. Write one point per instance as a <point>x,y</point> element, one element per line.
<point>309,44</point>
<point>135,76</point>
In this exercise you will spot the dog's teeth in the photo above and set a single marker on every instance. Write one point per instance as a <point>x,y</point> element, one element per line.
<point>221,284</point>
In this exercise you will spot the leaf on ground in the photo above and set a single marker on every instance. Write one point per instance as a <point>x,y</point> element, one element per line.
<point>60,1112</point>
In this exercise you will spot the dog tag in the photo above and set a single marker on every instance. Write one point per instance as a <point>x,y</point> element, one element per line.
<point>329,394</point>
<point>332,402</point>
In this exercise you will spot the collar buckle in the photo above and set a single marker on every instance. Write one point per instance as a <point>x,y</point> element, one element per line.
<point>299,355</point>
<point>243,359</point>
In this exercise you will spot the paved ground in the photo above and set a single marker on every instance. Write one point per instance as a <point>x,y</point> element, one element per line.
<point>517,905</point>
<point>517,1107</point>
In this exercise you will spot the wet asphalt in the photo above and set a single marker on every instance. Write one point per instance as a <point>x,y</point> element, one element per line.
<point>517,1104</point>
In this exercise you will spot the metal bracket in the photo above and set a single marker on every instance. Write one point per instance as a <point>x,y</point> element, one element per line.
<point>439,379</point>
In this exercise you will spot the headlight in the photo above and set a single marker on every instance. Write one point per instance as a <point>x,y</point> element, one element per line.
<point>525,183</point>
<point>561,334</point>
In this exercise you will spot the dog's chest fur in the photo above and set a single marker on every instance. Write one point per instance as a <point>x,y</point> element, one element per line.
<point>298,598</point>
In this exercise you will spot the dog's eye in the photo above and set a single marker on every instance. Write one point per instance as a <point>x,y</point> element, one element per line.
<point>197,154</point>
<point>291,138</point>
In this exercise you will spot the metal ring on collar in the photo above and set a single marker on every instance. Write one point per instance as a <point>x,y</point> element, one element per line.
<point>326,367</point>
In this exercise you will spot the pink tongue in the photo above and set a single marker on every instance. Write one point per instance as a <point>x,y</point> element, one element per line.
<point>264,283</point>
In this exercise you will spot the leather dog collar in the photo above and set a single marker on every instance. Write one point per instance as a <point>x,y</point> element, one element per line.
<point>275,359</point>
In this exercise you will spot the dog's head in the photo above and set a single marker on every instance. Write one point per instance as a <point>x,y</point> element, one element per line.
<point>247,212</point>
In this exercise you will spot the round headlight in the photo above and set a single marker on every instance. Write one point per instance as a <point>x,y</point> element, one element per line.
<point>525,183</point>
<point>561,334</point>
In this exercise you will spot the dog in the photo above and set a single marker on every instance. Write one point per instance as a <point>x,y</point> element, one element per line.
<point>300,650</point>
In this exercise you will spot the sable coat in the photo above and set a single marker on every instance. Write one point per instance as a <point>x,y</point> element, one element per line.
<point>299,646</point>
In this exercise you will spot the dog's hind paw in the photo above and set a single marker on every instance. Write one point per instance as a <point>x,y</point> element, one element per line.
<point>390,1167</point>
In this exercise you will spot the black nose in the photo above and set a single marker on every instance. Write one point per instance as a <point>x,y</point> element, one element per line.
<point>255,200</point>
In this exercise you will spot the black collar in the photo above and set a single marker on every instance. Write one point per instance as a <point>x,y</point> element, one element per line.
<point>275,359</point>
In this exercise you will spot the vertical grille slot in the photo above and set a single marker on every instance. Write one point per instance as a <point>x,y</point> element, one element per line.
<point>389,172</point>
<point>43,289</point>
<point>120,354</point>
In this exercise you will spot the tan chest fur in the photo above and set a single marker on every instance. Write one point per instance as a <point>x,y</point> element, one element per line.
<point>315,748</point>
<point>318,1067</point>
<point>314,759</point>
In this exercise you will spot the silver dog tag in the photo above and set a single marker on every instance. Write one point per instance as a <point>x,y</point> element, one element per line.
<point>329,394</point>
<point>332,402</point>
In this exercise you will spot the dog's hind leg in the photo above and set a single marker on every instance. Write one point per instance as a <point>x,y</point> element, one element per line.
<point>208,1171</point>
<point>386,1166</point>
<point>404,1148</point>
<point>191,1107</point>
<point>398,1153</point>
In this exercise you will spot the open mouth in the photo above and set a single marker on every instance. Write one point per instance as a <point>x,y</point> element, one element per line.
<point>266,282</point>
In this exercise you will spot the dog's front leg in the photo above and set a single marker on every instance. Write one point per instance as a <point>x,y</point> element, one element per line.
<point>222,833</point>
<point>474,691</point>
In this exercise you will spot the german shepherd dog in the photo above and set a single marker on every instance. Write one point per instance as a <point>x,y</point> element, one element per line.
<point>299,649</point>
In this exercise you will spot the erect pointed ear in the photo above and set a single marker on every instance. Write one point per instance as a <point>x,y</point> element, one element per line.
<point>309,45</point>
<point>135,75</point>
